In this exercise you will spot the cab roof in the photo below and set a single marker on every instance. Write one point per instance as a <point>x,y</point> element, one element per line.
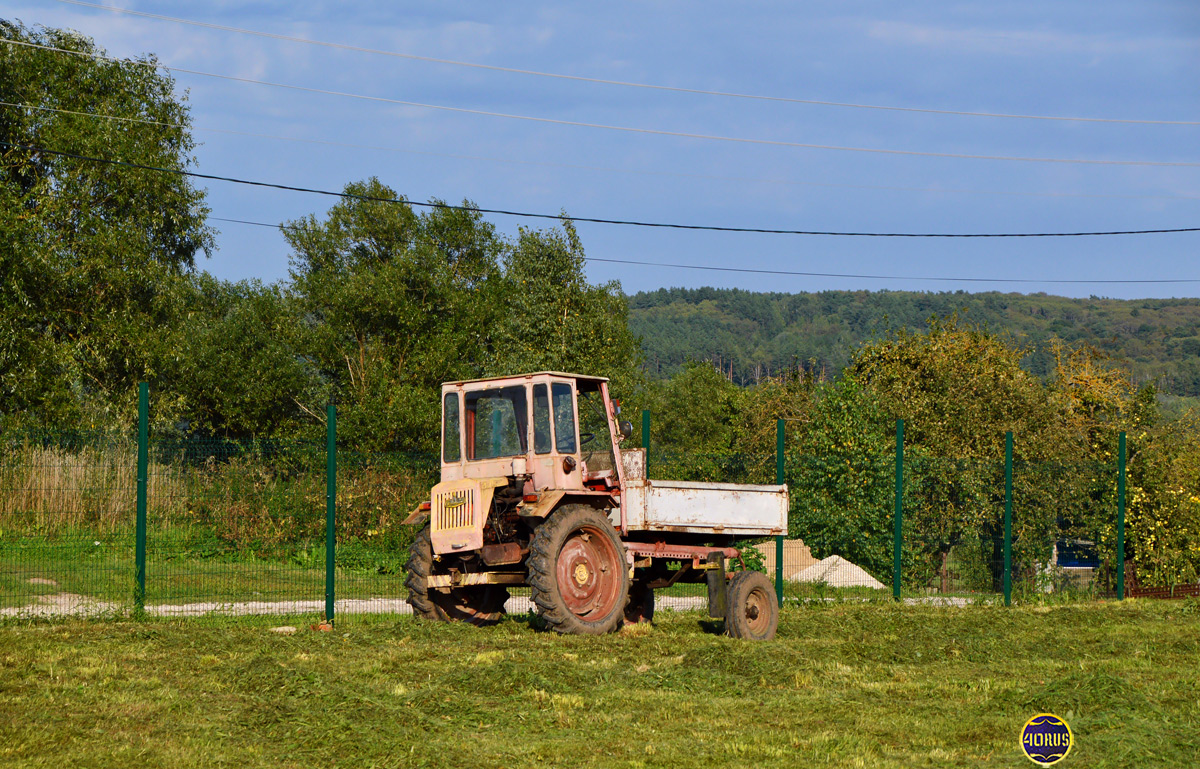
<point>583,379</point>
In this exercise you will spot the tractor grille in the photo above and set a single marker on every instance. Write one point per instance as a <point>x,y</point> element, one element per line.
<point>454,509</point>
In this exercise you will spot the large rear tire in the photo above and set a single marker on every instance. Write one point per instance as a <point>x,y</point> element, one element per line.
<point>751,611</point>
<point>578,575</point>
<point>478,605</point>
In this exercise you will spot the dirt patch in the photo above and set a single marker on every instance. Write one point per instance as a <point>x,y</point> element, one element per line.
<point>63,604</point>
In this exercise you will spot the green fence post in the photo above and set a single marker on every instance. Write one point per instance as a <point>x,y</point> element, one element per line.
<point>1008,499</point>
<point>143,468</point>
<point>779,539</point>
<point>1121,518</point>
<point>646,438</point>
<point>330,506</point>
<point>899,514</point>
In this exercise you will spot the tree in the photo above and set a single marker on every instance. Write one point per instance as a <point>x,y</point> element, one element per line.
<point>695,415</point>
<point>239,373</point>
<point>840,472</point>
<point>552,318</point>
<point>392,303</point>
<point>1163,536</point>
<point>92,255</point>
<point>960,389</point>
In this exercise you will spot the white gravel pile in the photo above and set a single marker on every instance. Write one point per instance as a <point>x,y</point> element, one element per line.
<point>836,571</point>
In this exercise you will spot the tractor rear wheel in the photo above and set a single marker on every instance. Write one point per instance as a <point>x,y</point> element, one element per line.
<point>578,575</point>
<point>478,605</point>
<point>751,611</point>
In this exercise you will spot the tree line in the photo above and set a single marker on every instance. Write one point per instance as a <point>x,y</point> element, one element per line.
<point>749,334</point>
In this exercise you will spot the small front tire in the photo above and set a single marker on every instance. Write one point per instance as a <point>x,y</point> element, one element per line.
<point>751,611</point>
<point>477,605</point>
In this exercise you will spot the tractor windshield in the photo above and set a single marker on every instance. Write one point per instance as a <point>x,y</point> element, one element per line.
<point>496,422</point>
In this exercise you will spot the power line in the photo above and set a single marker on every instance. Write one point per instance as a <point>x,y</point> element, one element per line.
<point>795,273</point>
<point>624,83</point>
<point>639,172</point>
<point>595,220</point>
<point>609,127</point>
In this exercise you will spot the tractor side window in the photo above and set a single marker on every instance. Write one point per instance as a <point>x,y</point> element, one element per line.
<point>564,418</point>
<point>450,443</point>
<point>541,419</point>
<point>497,423</point>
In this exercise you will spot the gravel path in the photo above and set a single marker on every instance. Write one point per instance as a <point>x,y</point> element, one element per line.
<point>72,604</point>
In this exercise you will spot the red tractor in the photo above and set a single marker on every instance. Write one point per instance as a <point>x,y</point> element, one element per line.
<point>536,491</point>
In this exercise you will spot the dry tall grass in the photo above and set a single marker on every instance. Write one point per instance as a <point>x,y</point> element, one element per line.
<point>246,500</point>
<point>46,490</point>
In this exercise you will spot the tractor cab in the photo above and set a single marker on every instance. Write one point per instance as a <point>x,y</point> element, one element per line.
<point>529,428</point>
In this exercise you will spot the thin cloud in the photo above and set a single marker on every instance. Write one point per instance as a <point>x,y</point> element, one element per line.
<point>1018,41</point>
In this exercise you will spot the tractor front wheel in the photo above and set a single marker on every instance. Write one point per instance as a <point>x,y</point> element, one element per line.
<point>477,605</point>
<point>578,575</point>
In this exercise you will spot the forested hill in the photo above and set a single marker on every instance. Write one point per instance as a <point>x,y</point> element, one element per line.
<point>752,334</point>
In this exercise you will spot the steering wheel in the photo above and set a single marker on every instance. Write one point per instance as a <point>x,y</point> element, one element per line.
<point>586,438</point>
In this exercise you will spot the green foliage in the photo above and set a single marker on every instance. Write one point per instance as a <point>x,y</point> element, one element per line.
<point>92,255</point>
<point>959,389</point>
<point>238,371</point>
<point>391,304</point>
<point>695,411</point>
<point>1164,506</point>
<point>840,470</point>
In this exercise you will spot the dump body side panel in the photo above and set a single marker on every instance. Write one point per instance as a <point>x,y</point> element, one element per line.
<point>743,510</point>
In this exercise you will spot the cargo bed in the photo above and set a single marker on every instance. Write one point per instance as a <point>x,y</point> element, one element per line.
<point>737,509</point>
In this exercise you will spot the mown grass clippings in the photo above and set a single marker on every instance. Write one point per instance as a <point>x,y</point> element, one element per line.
<point>846,685</point>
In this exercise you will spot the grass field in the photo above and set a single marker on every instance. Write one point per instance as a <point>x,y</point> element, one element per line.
<point>845,684</point>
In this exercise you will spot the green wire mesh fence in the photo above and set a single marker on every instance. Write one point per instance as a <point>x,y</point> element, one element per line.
<point>66,524</point>
<point>240,527</point>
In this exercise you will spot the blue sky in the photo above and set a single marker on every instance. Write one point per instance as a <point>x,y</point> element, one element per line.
<point>1095,58</point>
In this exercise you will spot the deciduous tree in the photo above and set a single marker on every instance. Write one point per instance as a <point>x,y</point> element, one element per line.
<point>91,254</point>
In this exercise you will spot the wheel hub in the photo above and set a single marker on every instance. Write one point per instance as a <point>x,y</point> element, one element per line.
<point>756,610</point>
<point>581,573</point>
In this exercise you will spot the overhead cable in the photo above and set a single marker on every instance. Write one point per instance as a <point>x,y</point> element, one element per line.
<point>794,272</point>
<point>595,220</point>
<point>609,127</point>
<point>624,83</point>
<point>603,169</point>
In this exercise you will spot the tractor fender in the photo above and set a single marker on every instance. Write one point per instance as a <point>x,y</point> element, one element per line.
<point>420,515</point>
<point>549,501</point>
